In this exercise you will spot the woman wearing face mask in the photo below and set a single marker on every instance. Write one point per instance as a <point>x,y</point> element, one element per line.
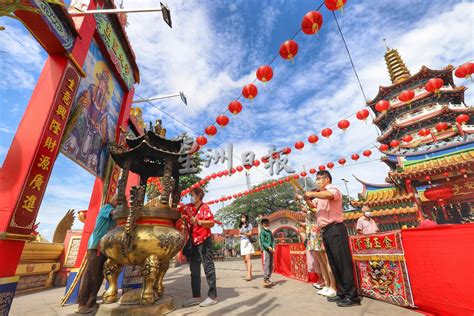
<point>246,247</point>
<point>200,220</point>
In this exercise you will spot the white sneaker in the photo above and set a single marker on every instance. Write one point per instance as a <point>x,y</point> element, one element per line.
<point>330,293</point>
<point>191,302</point>
<point>323,291</point>
<point>318,286</point>
<point>208,302</point>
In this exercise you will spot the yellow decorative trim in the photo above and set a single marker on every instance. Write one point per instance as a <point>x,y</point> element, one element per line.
<point>379,257</point>
<point>7,280</point>
<point>12,236</point>
<point>76,65</point>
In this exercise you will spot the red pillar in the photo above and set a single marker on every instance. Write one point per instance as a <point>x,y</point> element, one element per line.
<point>20,158</point>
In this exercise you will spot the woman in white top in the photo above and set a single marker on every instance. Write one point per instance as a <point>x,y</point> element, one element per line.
<point>246,247</point>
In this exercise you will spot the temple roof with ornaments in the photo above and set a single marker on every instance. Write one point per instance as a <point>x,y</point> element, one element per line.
<point>378,195</point>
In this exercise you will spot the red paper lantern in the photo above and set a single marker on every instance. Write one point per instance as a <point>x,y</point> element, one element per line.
<point>341,161</point>
<point>222,120</point>
<point>220,174</point>
<point>239,168</point>
<point>288,50</point>
<point>256,163</point>
<point>250,91</point>
<point>247,167</point>
<point>280,181</point>
<point>312,22</point>
<point>303,174</point>
<point>326,132</point>
<point>407,138</point>
<point>299,145</point>
<point>235,107</point>
<point>225,172</point>
<point>296,176</point>
<point>441,126</point>
<point>211,130</point>
<point>232,171</point>
<point>428,178</point>
<point>383,147</point>
<point>462,119</point>
<point>406,95</point>
<point>367,153</point>
<point>463,172</point>
<point>264,159</point>
<point>362,114</point>
<point>208,178</point>
<point>355,157</point>
<point>382,106</point>
<point>286,151</point>
<point>439,193</point>
<point>434,84</point>
<point>322,167</point>
<point>330,165</point>
<point>264,73</point>
<point>343,124</point>
<point>201,140</point>
<point>312,171</point>
<point>424,132</point>
<point>334,5</point>
<point>394,143</point>
<point>213,176</point>
<point>464,71</point>
<point>313,139</point>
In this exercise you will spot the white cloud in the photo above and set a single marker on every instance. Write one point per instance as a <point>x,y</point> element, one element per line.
<point>19,57</point>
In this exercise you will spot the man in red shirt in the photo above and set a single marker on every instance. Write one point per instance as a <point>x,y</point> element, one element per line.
<point>200,220</point>
<point>328,203</point>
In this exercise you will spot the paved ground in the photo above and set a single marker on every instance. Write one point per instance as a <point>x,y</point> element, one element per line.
<point>237,297</point>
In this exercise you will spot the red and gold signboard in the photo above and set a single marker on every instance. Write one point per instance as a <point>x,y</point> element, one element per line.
<point>26,209</point>
<point>299,268</point>
<point>366,244</point>
<point>380,266</point>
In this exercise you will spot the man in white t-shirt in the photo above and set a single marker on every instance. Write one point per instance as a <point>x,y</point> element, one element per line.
<point>366,224</point>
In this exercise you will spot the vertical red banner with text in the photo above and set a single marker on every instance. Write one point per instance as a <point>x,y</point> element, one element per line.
<point>26,209</point>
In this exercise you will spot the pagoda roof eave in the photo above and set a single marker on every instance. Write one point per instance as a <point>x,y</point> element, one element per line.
<point>141,166</point>
<point>424,71</point>
<point>380,186</point>
<point>458,160</point>
<point>459,89</point>
<point>154,139</point>
<point>422,153</point>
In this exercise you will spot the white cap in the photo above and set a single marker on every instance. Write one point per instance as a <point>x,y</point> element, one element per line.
<point>367,214</point>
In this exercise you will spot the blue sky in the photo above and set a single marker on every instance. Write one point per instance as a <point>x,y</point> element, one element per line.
<point>213,50</point>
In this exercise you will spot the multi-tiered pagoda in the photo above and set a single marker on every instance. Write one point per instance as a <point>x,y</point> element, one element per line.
<point>430,154</point>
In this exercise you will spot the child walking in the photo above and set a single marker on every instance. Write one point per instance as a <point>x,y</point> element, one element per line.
<point>268,246</point>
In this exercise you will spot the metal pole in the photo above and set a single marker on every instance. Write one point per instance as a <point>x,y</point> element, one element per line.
<point>114,11</point>
<point>347,189</point>
<point>247,177</point>
<point>304,178</point>
<point>157,98</point>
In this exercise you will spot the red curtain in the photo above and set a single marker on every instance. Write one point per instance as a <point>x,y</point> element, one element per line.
<point>282,263</point>
<point>281,260</point>
<point>440,261</point>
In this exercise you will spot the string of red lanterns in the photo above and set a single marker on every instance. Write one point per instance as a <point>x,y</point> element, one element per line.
<point>311,24</point>
<point>366,153</point>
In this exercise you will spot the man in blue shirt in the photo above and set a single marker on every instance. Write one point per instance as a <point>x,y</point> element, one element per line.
<point>93,277</point>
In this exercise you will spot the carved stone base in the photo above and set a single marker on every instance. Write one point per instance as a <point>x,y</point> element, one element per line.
<point>163,306</point>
